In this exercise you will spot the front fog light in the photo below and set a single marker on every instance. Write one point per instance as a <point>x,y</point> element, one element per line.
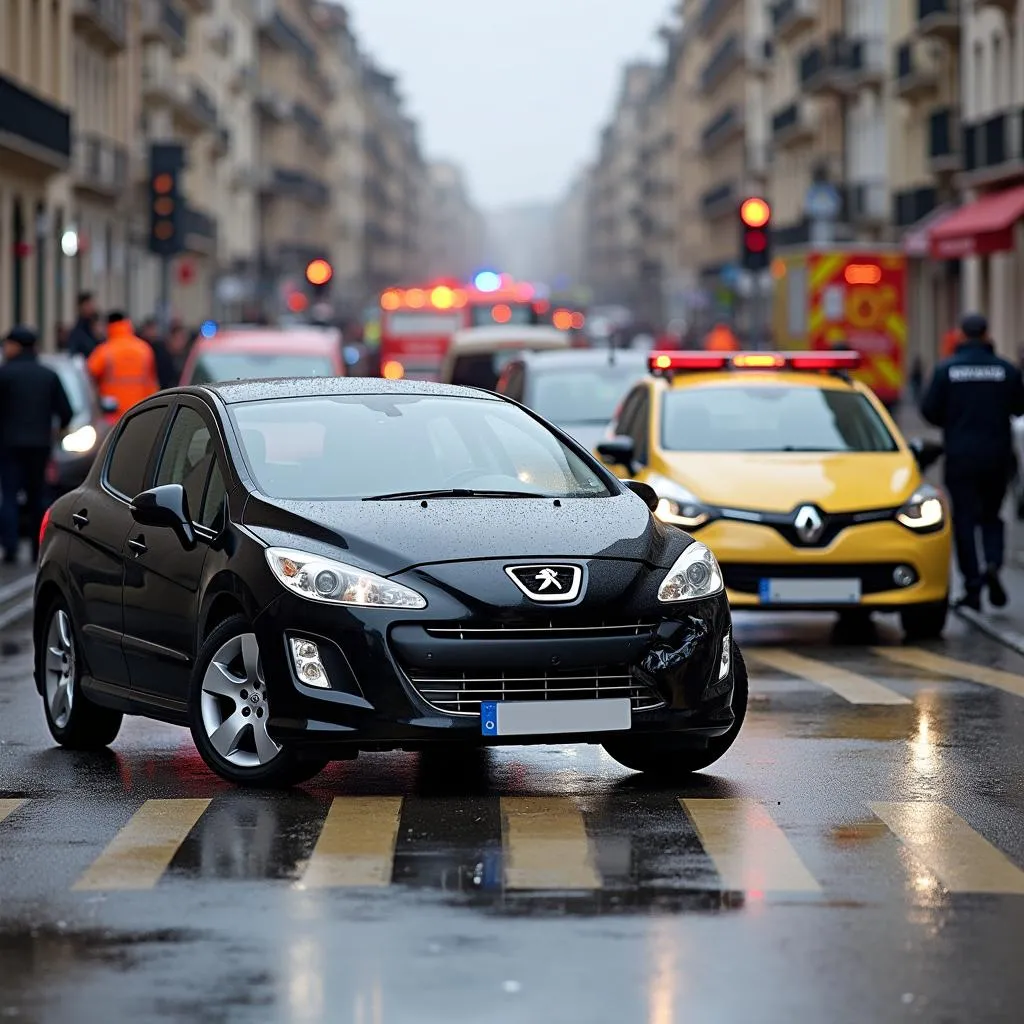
<point>725,663</point>
<point>308,666</point>
<point>904,576</point>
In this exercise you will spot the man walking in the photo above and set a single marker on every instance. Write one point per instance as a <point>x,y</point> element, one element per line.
<point>31,398</point>
<point>124,366</point>
<point>84,337</point>
<point>972,397</point>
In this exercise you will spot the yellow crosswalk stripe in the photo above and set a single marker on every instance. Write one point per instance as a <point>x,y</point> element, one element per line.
<point>939,664</point>
<point>851,686</point>
<point>9,806</point>
<point>139,854</point>
<point>357,844</point>
<point>749,850</point>
<point>546,844</point>
<point>961,859</point>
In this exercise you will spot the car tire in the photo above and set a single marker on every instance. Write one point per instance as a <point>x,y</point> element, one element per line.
<point>670,757</point>
<point>228,711</point>
<point>924,621</point>
<point>74,721</point>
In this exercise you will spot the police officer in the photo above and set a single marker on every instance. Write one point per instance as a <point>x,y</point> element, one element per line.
<point>972,397</point>
<point>31,398</point>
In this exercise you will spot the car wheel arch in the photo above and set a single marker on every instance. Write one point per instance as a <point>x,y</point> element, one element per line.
<point>220,604</point>
<point>48,593</point>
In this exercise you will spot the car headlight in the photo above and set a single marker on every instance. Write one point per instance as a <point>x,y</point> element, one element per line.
<point>924,510</point>
<point>696,574</point>
<point>678,506</point>
<point>323,579</point>
<point>80,441</point>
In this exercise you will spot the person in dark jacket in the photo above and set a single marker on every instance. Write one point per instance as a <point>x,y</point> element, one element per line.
<point>167,370</point>
<point>84,336</point>
<point>972,396</point>
<point>31,398</point>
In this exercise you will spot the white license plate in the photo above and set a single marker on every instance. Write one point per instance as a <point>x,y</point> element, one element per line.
<point>553,717</point>
<point>838,591</point>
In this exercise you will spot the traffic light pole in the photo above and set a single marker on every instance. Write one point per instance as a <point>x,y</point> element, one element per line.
<point>164,312</point>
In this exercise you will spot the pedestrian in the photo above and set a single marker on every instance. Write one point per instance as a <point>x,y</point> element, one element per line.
<point>972,397</point>
<point>124,366</point>
<point>84,335</point>
<point>721,339</point>
<point>31,398</point>
<point>166,369</point>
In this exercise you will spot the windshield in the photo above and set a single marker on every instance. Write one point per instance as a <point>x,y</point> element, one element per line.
<point>422,325</point>
<point>212,367</point>
<point>360,446</point>
<point>772,419</point>
<point>481,369</point>
<point>588,395</point>
<point>507,313</point>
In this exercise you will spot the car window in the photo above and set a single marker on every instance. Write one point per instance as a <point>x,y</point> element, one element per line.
<point>358,446</point>
<point>581,394</point>
<point>212,367</point>
<point>212,513</point>
<point>187,457</point>
<point>512,383</point>
<point>639,427</point>
<point>772,419</point>
<point>623,425</point>
<point>129,457</point>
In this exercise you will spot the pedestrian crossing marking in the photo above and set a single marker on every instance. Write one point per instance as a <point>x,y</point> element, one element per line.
<point>140,853</point>
<point>8,807</point>
<point>546,844</point>
<point>357,844</point>
<point>851,686</point>
<point>749,850</point>
<point>928,661</point>
<point>962,860</point>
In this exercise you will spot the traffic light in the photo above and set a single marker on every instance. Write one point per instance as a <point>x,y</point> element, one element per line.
<point>755,234</point>
<point>166,204</point>
<point>319,273</point>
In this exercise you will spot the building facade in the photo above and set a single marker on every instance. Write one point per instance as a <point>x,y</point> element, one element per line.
<point>453,229</point>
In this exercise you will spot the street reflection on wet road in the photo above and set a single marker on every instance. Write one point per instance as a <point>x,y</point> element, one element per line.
<point>858,855</point>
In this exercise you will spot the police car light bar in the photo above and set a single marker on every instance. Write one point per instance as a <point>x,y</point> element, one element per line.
<point>671,362</point>
<point>681,362</point>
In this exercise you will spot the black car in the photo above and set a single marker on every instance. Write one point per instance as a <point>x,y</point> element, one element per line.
<point>578,390</point>
<point>302,569</point>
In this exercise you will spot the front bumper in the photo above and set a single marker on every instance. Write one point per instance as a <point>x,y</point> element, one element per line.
<point>409,680</point>
<point>749,552</point>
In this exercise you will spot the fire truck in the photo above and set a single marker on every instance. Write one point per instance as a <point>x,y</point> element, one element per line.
<point>852,298</point>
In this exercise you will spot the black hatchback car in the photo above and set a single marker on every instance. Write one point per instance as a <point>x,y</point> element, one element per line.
<point>302,569</point>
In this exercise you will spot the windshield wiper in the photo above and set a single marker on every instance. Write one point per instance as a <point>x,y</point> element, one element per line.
<point>452,492</point>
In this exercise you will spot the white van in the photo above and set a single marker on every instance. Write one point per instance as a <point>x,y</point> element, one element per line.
<point>477,355</point>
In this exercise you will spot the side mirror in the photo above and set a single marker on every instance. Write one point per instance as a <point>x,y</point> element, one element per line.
<point>108,404</point>
<point>166,507</point>
<point>617,451</point>
<point>927,453</point>
<point>644,491</point>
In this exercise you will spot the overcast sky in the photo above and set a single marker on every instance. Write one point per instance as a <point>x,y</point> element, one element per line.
<point>514,92</point>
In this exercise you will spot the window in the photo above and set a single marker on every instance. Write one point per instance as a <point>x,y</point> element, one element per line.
<point>633,423</point>
<point>212,513</point>
<point>126,467</point>
<point>212,367</point>
<point>582,394</point>
<point>512,386</point>
<point>187,458</point>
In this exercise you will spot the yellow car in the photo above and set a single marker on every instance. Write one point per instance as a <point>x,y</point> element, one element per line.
<point>795,476</point>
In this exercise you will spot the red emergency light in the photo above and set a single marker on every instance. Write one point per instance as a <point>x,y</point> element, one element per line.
<point>682,362</point>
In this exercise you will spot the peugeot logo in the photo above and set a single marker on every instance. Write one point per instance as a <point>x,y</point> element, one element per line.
<point>809,524</point>
<point>547,582</point>
<point>547,578</point>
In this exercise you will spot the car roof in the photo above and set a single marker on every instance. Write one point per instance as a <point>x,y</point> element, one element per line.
<point>484,339</point>
<point>573,358</point>
<point>270,339</point>
<point>235,391</point>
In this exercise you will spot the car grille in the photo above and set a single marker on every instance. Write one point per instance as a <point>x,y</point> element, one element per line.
<point>875,577</point>
<point>548,631</point>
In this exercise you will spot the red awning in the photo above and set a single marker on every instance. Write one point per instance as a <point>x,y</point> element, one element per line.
<point>916,239</point>
<point>979,228</point>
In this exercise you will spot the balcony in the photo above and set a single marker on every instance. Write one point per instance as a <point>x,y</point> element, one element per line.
<point>712,14</point>
<point>722,129</point>
<point>726,59</point>
<point>719,202</point>
<point>759,55</point>
<point>200,231</point>
<point>162,21</point>
<point>33,128</point>
<point>271,104</point>
<point>869,202</point>
<point>868,63</point>
<point>939,19</point>
<point>945,149</point>
<point>196,110</point>
<point>100,165</point>
<point>915,76</point>
<point>105,22</point>
<point>994,147</point>
<point>283,181</point>
<point>825,68</point>
<point>278,30</point>
<point>244,79</point>
<point>913,205</point>
<point>794,124</point>
<point>791,17</point>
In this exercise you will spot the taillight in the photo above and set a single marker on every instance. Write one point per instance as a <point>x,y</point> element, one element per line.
<point>42,526</point>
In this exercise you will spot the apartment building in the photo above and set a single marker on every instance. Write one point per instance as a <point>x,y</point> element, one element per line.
<point>453,229</point>
<point>35,154</point>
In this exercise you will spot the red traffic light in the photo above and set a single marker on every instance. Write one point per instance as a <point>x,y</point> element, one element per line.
<point>319,272</point>
<point>756,241</point>
<point>755,212</point>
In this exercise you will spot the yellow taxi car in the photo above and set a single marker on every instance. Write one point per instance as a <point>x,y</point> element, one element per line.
<point>795,476</point>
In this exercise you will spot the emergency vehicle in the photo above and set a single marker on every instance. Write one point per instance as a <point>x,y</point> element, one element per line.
<point>847,299</point>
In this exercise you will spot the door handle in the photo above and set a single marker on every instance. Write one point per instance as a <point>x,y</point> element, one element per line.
<point>80,519</point>
<point>138,545</point>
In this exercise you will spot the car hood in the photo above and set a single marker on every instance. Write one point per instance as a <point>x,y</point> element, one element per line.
<point>779,481</point>
<point>390,537</point>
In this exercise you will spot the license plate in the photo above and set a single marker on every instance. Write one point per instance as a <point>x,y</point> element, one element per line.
<point>838,591</point>
<point>552,717</point>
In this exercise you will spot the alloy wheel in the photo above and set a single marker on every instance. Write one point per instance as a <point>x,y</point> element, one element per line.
<point>234,705</point>
<point>60,668</point>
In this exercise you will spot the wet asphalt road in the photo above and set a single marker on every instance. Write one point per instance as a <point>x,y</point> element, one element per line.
<point>858,856</point>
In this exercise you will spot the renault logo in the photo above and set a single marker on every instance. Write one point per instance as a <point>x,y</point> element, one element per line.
<point>809,524</point>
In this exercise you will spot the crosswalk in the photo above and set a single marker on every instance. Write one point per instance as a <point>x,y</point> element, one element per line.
<point>541,844</point>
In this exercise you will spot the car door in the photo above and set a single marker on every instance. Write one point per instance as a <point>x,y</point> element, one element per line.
<point>633,423</point>
<point>101,522</point>
<point>162,577</point>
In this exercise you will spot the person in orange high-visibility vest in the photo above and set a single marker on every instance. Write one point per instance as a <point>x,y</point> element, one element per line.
<point>123,367</point>
<point>721,339</point>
